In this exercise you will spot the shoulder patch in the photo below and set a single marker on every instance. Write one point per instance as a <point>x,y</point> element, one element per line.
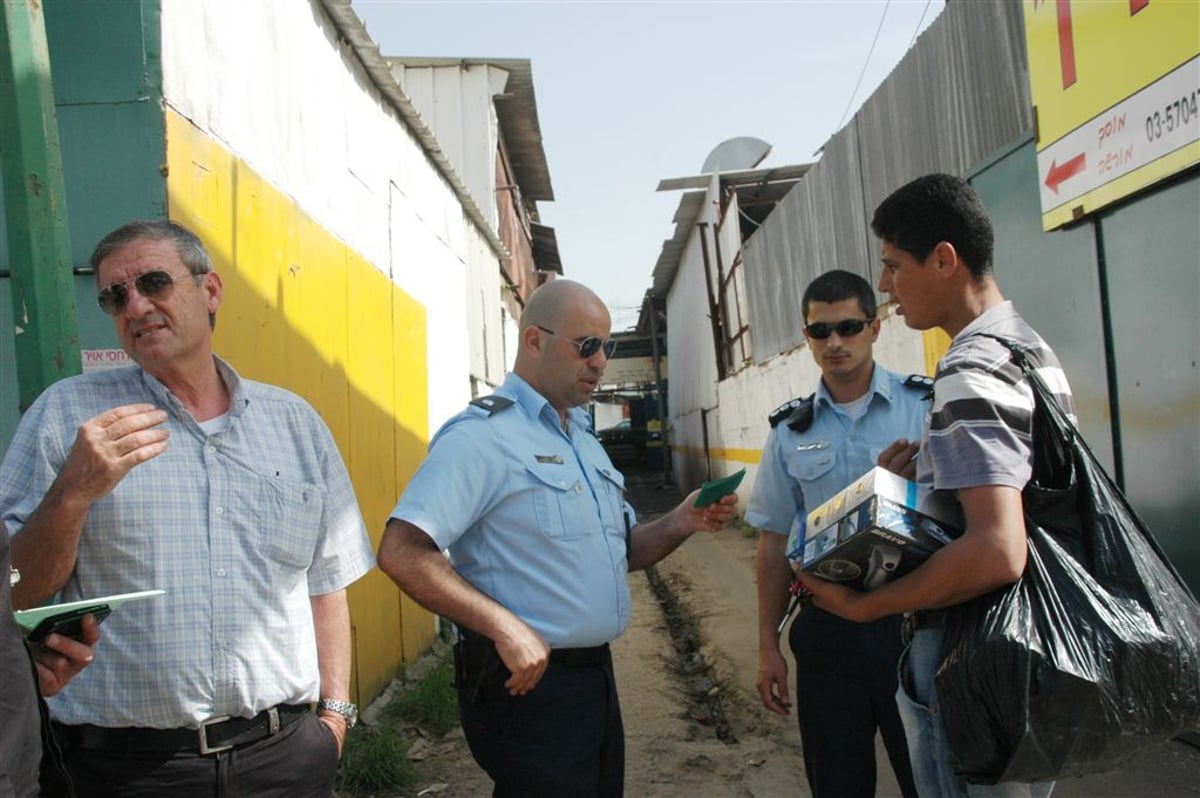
<point>920,382</point>
<point>492,404</point>
<point>783,411</point>
<point>798,412</point>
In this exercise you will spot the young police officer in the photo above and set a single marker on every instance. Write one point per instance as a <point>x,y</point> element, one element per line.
<point>845,672</point>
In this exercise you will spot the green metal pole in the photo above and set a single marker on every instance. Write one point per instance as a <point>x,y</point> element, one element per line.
<point>46,329</point>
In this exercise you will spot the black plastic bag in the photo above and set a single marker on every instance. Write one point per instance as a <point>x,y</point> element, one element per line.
<point>1093,654</point>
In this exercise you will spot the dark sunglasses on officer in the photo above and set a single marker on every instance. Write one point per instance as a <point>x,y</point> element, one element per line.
<point>588,345</point>
<point>844,328</point>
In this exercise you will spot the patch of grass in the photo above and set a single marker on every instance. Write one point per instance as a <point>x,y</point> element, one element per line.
<point>375,759</point>
<point>429,702</point>
<point>375,762</point>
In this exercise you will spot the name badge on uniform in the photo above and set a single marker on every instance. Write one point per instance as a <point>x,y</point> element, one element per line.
<point>548,458</point>
<point>812,447</point>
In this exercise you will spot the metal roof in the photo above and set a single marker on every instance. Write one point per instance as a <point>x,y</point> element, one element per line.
<point>768,184</point>
<point>516,110</point>
<point>742,177</point>
<point>353,33</point>
<point>690,206</point>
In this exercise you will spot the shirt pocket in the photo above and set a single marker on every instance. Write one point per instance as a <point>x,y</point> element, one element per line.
<point>811,465</point>
<point>562,504</point>
<point>290,518</point>
<point>612,499</point>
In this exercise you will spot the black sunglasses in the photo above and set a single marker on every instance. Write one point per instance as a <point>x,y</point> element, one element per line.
<point>588,345</point>
<point>150,285</point>
<point>844,328</point>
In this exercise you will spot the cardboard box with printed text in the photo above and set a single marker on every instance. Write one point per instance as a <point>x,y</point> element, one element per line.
<point>879,527</point>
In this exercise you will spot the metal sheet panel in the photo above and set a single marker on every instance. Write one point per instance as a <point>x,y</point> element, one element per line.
<point>1054,283</point>
<point>955,99</point>
<point>104,52</point>
<point>1152,255</point>
<point>112,142</point>
<point>774,264</point>
<point>818,226</point>
<point>516,111</point>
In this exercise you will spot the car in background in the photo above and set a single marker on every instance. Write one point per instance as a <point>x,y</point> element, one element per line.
<point>624,442</point>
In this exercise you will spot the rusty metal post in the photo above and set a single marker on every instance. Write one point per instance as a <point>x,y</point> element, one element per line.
<point>663,424</point>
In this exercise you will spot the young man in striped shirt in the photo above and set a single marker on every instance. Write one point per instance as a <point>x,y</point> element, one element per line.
<point>936,248</point>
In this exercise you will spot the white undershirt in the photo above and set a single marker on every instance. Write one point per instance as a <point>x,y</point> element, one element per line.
<point>856,409</point>
<point>215,424</point>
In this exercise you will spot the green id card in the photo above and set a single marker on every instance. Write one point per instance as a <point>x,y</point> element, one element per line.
<point>715,489</point>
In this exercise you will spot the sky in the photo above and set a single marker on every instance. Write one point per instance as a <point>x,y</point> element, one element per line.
<point>630,93</point>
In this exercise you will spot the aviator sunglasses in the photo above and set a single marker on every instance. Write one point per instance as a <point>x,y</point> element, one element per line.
<point>151,285</point>
<point>588,345</point>
<point>844,328</point>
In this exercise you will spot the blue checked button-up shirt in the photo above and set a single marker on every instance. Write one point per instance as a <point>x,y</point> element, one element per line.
<point>532,516</point>
<point>800,470</point>
<point>239,528</point>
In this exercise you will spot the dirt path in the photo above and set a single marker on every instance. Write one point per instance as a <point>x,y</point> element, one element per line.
<point>672,750</point>
<point>713,575</point>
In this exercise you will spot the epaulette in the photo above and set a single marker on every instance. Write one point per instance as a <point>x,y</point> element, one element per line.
<point>920,382</point>
<point>492,404</point>
<point>798,412</point>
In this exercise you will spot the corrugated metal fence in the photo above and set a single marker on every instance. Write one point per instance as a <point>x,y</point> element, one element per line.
<point>958,96</point>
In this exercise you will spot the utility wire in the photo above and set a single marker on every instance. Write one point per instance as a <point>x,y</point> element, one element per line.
<point>917,30</point>
<point>850,102</point>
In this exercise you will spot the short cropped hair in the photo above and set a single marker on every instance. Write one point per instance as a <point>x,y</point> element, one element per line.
<point>935,208</point>
<point>190,248</point>
<point>837,285</point>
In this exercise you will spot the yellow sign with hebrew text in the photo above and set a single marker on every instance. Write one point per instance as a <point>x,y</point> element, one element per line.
<point>1115,87</point>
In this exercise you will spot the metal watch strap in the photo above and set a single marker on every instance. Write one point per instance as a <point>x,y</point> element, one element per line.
<point>344,708</point>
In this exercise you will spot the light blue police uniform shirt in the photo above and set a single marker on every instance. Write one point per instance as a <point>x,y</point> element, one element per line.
<point>533,517</point>
<point>240,528</point>
<point>800,470</point>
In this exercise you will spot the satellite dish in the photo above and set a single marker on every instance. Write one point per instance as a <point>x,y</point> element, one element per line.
<point>743,152</point>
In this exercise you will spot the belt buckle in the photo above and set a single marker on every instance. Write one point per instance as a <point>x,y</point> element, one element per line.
<point>205,748</point>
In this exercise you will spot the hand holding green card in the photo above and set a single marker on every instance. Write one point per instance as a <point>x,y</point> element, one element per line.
<point>714,489</point>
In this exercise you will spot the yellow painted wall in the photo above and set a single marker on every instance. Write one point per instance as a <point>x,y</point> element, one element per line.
<point>936,344</point>
<point>303,311</point>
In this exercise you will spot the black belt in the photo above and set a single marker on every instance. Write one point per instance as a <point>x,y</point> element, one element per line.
<point>213,736</point>
<point>928,619</point>
<point>579,657</point>
<point>559,657</point>
<point>917,620</point>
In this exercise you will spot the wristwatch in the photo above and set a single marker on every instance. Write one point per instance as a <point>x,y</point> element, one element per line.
<point>344,708</point>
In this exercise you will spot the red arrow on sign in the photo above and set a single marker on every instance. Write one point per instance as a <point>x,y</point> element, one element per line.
<point>1060,174</point>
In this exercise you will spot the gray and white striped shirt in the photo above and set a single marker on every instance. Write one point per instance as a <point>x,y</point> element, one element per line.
<point>981,427</point>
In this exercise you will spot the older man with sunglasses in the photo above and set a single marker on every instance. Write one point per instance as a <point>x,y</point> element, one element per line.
<point>845,672</point>
<point>231,496</point>
<point>540,537</point>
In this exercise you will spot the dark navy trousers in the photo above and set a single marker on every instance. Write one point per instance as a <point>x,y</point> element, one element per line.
<point>563,738</point>
<point>845,691</point>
